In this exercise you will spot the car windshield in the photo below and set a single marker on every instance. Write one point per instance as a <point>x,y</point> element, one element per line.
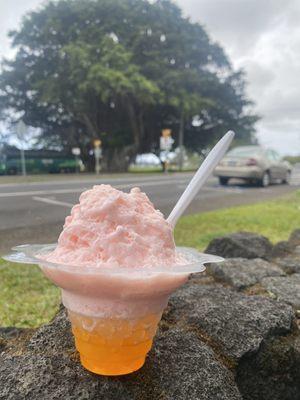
<point>243,152</point>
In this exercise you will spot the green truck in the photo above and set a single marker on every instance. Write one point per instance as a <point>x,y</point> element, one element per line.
<point>37,161</point>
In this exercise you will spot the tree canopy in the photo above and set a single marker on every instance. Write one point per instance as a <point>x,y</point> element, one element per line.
<point>121,70</point>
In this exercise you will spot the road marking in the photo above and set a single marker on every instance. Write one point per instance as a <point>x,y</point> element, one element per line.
<point>219,189</point>
<point>79,190</point>
<point>41,192</point>
<point>145,184</point>
<point>99,181</point>
<point>52,201</point>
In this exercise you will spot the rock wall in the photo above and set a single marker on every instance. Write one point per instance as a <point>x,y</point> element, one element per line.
<point>229,334</point>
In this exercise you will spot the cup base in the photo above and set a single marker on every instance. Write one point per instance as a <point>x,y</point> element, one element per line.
<point>113,346</point>
<point>113,369</point>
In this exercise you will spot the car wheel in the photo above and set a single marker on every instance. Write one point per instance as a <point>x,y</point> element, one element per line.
<point>223,181</point>
<point>265,180</point>
<point>287,178</point>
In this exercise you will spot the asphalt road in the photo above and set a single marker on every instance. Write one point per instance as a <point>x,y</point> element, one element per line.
<point>34,212</point>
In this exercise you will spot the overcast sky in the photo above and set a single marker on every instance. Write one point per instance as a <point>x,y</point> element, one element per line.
<point>262,37</point>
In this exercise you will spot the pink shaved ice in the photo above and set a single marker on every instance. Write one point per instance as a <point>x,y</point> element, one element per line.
<point>112,228</point>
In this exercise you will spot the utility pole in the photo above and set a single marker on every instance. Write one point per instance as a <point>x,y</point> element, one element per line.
<point>23,163</point>
<point>181,140</point>
<point>21,131</point>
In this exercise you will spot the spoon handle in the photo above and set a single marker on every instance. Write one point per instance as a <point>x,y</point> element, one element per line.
<point>200,177</point>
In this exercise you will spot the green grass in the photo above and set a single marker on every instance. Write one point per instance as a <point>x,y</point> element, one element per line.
<point>27,299</point>
<point>9,179</point>
<point>274,219</point>
<point>139,169</point>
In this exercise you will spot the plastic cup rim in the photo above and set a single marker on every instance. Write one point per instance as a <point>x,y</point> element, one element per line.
<point>28,254</point>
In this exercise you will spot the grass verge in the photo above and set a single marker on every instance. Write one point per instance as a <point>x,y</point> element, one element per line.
<point>27,299</point>
<point>274,219</point>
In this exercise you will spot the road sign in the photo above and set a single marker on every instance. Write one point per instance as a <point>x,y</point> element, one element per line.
<point>76,151</point>
<point>166,132</point>
<point>166,140</point>
<point>97,143</point>
<point>97,154</point>
<point>166,143</point>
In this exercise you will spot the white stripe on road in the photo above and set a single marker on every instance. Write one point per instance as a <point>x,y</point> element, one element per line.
<point>52,201</point>
<point>154,183</point>
<point>221,189</point>
<point>79,190</point>
<point>211,192</point>
<point>98,181</point>
<point>41,192</point>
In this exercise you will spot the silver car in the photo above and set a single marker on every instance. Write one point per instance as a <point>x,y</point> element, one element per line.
<point>254,164</point>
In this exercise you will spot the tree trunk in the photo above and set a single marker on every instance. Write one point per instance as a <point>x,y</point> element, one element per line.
<point>141,125</point>
<point>88,160</point>
<point>118,159</point>
<point>133,120</point>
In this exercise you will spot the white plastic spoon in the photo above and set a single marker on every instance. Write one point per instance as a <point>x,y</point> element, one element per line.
<point>200,177</point>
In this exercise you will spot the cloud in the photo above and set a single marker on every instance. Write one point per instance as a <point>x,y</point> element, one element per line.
<point>284,136</point>
<point>11,13</point>
<point>273,66</point>
<point>237,23</point>
<point>263,38</point>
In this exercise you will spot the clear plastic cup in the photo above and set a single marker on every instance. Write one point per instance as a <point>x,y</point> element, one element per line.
<point>114,312</point>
